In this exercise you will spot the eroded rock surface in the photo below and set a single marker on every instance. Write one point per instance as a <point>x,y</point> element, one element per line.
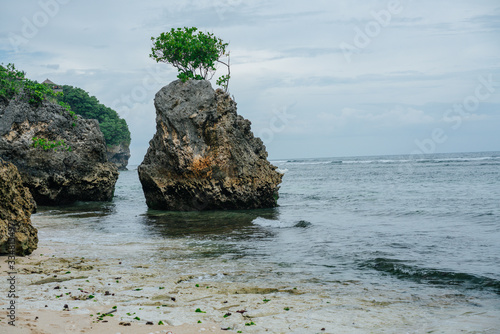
<point>16,206</point>
<point>56,176</point>
<point>119,155</point>
<point>204,155</point>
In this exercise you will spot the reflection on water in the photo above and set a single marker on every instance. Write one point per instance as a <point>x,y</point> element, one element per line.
<point>210,234</point>
<point>80,209</point>
<point>208,224</point>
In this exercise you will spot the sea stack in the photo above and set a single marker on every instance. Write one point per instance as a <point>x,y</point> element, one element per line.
<point>17,235</point>
<point>204,155</point>
<point>31,138</point>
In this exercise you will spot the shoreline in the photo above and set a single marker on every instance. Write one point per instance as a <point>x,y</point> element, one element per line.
<point>63,294</point>
<point>170,280</point>
<point>36,319</point>
<point>59,293</point>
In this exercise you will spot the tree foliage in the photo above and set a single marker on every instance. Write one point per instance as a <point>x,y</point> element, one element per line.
<point>114,128</point>
<point>14,82</point>
<point>75,100</point>
<point>195,54</point>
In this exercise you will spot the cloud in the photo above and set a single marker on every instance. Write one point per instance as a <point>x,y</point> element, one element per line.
<point>283,53</point>
<point>397,116</point>
<point>371,120</point>
<point>52,66</point>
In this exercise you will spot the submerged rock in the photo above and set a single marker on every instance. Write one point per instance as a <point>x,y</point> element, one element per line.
<point>56,175</point>
<point>204,155</point>
<point>16,206</point>
<point>119,155</point>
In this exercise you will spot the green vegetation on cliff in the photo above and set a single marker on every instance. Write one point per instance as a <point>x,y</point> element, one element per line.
<point>14,82</point>
<point>114,128</point>
<point>47,145</point>
<point>75,100</point>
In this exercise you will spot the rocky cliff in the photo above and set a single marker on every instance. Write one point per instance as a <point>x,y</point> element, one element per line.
<point>16,206</point>
<point>114,128</point>
<point>78,170</point>
<point>204,155</point>
<point>119,155</point>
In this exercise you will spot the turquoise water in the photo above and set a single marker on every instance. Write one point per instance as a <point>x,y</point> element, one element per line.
<point>428,225</point>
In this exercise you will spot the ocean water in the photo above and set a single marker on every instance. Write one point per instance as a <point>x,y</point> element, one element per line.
<point>424,230</point>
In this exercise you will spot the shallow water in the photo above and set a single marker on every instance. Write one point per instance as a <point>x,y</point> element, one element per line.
<point>413,244</point>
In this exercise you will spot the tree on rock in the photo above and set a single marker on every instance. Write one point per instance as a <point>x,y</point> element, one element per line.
<point>195,54</point>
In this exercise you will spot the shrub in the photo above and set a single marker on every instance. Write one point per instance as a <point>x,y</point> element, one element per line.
<point>46,144</point>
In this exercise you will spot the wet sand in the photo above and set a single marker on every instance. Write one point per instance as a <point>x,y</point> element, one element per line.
<point>63,294</point>
<point>60,293</point>
<point>55,296</point>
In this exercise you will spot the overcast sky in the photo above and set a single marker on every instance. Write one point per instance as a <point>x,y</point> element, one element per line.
<point>316,78</point>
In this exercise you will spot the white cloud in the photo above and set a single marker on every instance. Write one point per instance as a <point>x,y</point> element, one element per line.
<point>373,119</point>
<point>283,53</point>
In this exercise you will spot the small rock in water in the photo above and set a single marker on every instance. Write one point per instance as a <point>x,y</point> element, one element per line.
<point>302,223</point>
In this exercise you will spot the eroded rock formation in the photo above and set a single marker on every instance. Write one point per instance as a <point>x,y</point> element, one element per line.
<point>56,176</point>
<point>204,155</point>
<point>16,206</point>
<point>119,155</point>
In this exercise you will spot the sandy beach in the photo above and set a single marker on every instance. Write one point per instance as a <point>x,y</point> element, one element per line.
<point>58,293</point>
<point>45,322</point>
<point>61,294</point>
<point>52,300</point>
